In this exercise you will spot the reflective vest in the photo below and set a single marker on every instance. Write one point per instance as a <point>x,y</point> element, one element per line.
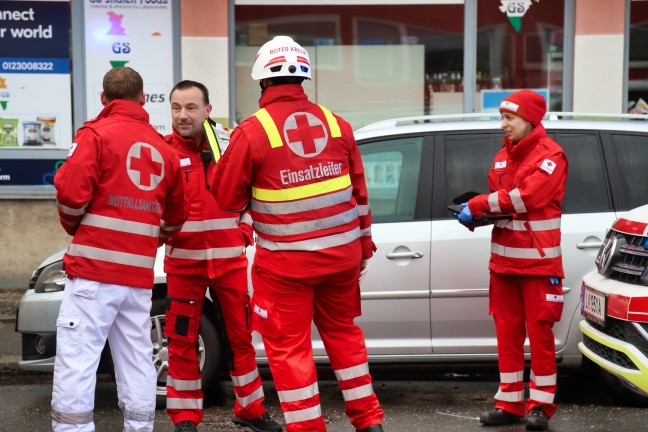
<point>325,200</point>
<point>308,195</point>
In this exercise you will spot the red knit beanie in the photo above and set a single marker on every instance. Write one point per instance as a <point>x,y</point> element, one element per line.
<point>527,104</point>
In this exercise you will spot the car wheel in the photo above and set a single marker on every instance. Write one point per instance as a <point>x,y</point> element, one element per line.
<point>209,347</point>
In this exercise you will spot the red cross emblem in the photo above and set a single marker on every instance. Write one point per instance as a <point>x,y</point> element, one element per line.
<point>305,134</point>
<point>548,165</point>
<point>145,166</point>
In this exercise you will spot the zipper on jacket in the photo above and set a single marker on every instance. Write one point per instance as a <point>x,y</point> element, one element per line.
<point>187,176</point>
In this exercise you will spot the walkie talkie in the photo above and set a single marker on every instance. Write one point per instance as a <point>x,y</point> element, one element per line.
<point>206,156</point>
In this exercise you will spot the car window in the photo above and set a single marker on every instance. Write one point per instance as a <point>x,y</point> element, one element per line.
<point>587,190</point>
<point>392,169</point>
<point>632,156</point>
<point>468,157</point>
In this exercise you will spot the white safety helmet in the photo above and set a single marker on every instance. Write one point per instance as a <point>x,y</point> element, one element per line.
<point>281,57</point>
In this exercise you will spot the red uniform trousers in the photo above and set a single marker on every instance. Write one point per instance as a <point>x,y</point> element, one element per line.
<point>187,293</point>
<point>283,310</point>
<point>516,301</point>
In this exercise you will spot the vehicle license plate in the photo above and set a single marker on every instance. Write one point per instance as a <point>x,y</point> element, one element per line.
<point>594,304</point>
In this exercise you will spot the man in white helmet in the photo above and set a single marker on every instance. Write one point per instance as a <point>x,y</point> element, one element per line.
<point>297,168</point>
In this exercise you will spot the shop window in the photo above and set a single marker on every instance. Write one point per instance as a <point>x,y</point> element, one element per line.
<point>519,46</point>
<point>370,62</point>
<point>638,58</point>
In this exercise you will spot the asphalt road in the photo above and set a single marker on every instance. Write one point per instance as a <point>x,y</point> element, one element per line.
<point>415,398</point>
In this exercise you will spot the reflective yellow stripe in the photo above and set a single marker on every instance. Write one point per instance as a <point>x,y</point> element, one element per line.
<point>212,140</point>
<point>333,124</point>
<point>301,192</point>
<point>270,127</point>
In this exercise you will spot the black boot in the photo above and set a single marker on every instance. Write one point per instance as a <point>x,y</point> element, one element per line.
<point>537,419</point>
<point>372,428</point>
<point>260,424</point>
<point>499,417</point>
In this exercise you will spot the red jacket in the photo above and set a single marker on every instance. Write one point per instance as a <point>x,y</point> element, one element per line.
<point>527,180</point>
<point>118,193</point>
<point>211,242</point>
<point>298,167</point>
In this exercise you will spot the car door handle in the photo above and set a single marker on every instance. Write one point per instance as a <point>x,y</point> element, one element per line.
<point>594,245</point>
<point>397,255</point>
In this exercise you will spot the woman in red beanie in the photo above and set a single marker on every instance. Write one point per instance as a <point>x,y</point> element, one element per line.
<point>527,179</point>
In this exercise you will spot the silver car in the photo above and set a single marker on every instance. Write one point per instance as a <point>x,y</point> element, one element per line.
<point>425,298</point>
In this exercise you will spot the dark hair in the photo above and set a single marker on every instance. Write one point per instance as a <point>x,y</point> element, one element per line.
<point>187,84</point>
<point>122,83</point>
<point>287,80</point>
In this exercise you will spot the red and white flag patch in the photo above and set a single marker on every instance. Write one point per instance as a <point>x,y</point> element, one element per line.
<point>548,165</point>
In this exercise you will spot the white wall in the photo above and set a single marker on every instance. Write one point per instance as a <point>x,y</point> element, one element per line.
<point>204,59</point>
<point>598,73</point>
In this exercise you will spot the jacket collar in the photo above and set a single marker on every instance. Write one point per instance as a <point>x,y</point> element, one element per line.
<point>527,144</point>
<point>188,142</point>
<point>124,107</point>
<point>282,93</point>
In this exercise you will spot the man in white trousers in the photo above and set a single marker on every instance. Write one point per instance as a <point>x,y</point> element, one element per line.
<point>120,195</point>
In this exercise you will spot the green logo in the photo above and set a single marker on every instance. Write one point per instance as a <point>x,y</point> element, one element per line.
<point>515,10</point>
<point>118,63</point>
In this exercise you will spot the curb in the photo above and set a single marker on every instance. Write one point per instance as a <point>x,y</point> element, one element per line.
<point>10,364</point>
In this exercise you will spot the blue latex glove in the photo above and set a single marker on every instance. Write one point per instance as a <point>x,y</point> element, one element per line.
<point>554,280</point>
<point>465,217</point>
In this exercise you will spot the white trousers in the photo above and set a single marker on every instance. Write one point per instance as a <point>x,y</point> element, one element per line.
<point>90,313</point>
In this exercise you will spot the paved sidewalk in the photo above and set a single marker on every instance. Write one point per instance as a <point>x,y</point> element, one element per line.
<point>10,347</point>
<point>9,299</point>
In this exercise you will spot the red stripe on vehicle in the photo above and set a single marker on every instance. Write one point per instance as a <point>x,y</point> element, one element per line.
<point>618,306</point>
<point>630,227</point>
<point>638,309</point>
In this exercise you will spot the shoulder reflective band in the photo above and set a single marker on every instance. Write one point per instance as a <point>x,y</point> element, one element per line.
<point>273,133</point>
<point>302,192</point>
<point>212,140</point>
<point>333,124</point>
<point>270,127</point>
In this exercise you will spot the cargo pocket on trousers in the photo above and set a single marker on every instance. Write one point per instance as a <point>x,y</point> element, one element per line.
<point>85,288</point>
<point>181,322</point>
<point>67,326</point>
<point>264,317</point>
<point>551,301</point>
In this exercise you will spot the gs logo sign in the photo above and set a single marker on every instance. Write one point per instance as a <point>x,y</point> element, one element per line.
<point>121,47</point>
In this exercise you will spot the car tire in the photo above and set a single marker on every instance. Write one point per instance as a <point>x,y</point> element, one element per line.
<point>210,353</point>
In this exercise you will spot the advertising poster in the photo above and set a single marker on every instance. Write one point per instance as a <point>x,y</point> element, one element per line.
<point>35,84</point>
<point>137,34</point>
